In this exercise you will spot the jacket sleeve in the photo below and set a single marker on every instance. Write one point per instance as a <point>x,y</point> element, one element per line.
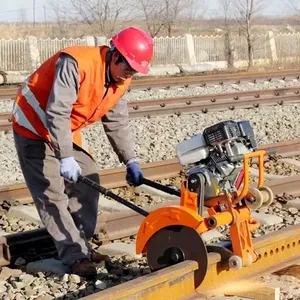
<point>63,94</point>
<point>116,127</point>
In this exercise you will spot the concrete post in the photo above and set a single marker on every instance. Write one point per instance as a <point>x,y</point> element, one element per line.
<point>190,49</point>
<point>274,57</point>
<point>101,40</point>
<point>34,52</point>
<point>90,40</point>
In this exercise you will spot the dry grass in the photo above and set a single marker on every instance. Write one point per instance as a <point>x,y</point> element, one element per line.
<point>74,30</point>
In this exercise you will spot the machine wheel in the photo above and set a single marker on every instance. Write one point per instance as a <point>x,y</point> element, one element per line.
<point>257,201</point>
<point>174,244</point>
<point>235,262</point>
<point>268,196</point>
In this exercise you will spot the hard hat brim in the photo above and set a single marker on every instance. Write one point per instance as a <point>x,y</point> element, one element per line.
<point>137,67</point>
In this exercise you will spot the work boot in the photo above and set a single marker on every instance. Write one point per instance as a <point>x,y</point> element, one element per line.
<point>84,267</point>
<point>98,258</point>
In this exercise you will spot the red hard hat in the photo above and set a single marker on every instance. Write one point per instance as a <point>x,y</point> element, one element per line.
<point>136,46</point>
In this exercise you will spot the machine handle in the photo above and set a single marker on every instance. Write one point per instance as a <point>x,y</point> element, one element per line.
<point>240,157</point>
<point>160,187</point>
<point>110,194</point>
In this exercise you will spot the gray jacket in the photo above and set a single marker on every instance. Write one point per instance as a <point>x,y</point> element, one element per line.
<point>64,93</point>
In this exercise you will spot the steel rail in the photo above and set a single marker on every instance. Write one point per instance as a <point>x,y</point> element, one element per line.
<point>198,107</point>
<point>110,178</point>
<point>8,93</point>
<point>37,243</point>
<point>187,81</point>
<point>215,79</point>
<point>115,178</point>
<point>213,102</point>
<point>4,116</point>
<point>31,245</point>
<point>34,244</point>
<point>176,281</point>
<point>275,250</point>
<point>213,98</point>
<point>202,103</point>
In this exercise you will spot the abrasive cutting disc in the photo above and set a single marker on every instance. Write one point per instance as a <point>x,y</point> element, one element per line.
<point>175,244</point>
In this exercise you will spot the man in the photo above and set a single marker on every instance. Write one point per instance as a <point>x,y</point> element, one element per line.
<point>72,89</point>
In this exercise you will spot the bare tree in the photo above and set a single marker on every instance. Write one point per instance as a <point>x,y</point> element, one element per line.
<point>99,14</point>
<point>226,11</point>
<point>172,11</point>
<point>57,10</point>
<point>152,12</point>
<point>160,14</point>
<point>186,10</point>
<point>165,14</point>
<point>195,9</point>
<point>294,4</point>
<point>294,8</point>
<point>246,11</point>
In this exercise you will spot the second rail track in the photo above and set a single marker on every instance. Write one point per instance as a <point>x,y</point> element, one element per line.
<point>123,224</point>
<point>196,104</point>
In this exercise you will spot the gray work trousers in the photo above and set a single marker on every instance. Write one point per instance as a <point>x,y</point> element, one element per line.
<point>67,210</point>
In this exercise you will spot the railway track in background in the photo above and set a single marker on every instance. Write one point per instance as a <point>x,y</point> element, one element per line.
<point>192,81</point>
<point>213,102</point>
<point>112,226</point>
<point>276,250</point>
<point>115,178</point>
<point>215,79</point>
<point>198,104</point>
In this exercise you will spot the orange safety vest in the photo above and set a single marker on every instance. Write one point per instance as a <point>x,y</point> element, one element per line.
<point>29,118</point>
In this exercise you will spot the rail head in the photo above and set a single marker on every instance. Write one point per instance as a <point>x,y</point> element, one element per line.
<point>276,251</point>
<point>177,280</point>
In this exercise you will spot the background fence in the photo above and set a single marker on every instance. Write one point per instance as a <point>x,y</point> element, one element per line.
<point>25,55</point>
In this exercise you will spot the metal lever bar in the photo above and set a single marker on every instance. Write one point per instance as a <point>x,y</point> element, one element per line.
<point>160,187</point>
<point>110,194</point>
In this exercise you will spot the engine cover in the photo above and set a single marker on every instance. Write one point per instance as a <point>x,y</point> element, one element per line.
<point>216,156</point>
<point>227,131</point>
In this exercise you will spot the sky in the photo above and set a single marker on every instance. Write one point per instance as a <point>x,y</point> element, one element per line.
<point>15,10</point>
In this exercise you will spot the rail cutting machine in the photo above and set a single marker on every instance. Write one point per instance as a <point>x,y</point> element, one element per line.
<point>216,177</point>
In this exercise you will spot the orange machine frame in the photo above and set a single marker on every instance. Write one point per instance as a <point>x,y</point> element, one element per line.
<point>186,214</point>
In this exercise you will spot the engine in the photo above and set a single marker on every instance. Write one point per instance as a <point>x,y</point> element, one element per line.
<point>213,160</point>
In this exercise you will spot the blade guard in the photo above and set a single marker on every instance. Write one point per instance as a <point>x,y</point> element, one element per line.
<point>167,216</point>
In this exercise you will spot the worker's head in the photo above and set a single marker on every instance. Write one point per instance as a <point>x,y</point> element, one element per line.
<point>132,52</point>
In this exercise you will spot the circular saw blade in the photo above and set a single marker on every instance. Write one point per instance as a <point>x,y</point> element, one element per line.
<point>174,244</point>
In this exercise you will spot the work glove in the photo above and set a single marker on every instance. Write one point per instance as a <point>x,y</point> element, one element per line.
<point>134,173</point>
<point>70,169</point>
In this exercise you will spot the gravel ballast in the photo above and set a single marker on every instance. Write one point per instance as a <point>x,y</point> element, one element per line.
<point>6,105</point>
<point>17,284</point>
<point>215,89</point>
<point>156,138</point>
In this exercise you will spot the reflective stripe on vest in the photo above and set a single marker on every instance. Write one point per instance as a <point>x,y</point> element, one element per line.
<point>21,119</point>
<point>32,101</point>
